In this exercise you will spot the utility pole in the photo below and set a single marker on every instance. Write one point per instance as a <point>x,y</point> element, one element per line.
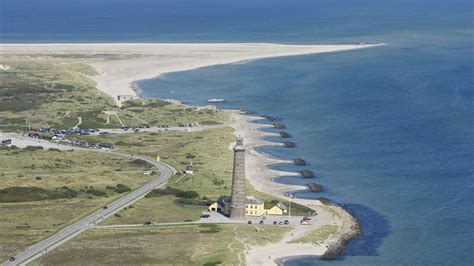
<point>290,196</point>
<point>289,211</point>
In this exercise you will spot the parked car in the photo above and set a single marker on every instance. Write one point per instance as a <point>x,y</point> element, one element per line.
<point>11,259</point>
<point>105,208</point>
<point>275,222</point>
<point>147,223</point>
<point>305,222</point>
<point>261,222</point>
<point>287,222</point>
<point>249,222</point>
<point>205,215</point>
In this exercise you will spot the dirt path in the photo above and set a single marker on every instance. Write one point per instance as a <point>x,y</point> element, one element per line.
<point>79,122</point>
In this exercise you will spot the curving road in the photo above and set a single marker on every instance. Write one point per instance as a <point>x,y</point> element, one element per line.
<point>37,250</point>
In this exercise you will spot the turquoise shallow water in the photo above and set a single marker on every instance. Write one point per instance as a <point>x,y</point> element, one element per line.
<point>388,131</point>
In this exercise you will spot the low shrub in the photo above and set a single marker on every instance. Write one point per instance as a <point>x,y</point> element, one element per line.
<point>32,148</point>
<point>25,194</point>
<point>121,188</point>
<point>188,194</point>
<point>163,192</point>
<point>96,192</point>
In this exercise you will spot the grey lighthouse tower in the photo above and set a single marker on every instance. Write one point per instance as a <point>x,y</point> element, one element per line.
<point>237,203</point>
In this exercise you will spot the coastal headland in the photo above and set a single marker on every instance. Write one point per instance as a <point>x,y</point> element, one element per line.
<point>119,65</point>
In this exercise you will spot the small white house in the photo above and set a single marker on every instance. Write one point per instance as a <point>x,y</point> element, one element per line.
<point>190,169</point>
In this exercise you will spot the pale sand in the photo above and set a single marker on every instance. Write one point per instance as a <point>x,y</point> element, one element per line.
<point>261,177</point>
<point>120,64</point>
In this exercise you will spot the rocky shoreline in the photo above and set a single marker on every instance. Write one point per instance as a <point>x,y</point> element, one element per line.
<point>342,238</point>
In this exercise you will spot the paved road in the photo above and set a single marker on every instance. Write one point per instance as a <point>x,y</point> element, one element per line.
<point>159,129</point>
<point>41,248</point>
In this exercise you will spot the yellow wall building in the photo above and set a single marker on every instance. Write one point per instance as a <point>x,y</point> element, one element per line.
<point>278,209</point>
<point>253,207</point>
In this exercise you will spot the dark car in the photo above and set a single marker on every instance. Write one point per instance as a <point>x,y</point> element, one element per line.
<point>205,216</point>
<point>249,222</point>
<point>11,259</point>
<point>105,208</point>
<point>287,222</point>
<point>261,222</point>
<point>275,222</point>
<point>147,223</point>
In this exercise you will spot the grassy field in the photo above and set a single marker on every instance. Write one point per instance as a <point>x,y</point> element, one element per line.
<point>319,235</point>
<point>177,245</point>
<point>24,223</point>
<point>157,112</point>
<point>158,209</point>
<point>208,151</point>
<point>55,91</point>
<point>49,93</point>
<point>75,169</point>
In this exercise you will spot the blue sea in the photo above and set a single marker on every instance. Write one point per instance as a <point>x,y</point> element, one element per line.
<point>388,131</point>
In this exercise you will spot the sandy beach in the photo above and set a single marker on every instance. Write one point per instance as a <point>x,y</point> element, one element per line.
<point>261,178</point>
<point>120,64</point>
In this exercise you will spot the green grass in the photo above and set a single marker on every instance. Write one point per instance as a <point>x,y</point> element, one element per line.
<point>157,112</point>
<point>74,169</point>
<point>23,224</point>
<point>208,150</point>
<point>54,91</point>
<point>47,92</point>
<point>176,245</point>
<point>163,209</point>
<point>319,235</point>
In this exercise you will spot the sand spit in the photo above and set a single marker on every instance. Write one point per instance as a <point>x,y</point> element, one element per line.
<point>120,64</point>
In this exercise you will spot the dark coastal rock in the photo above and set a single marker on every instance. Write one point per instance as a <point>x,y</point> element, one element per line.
<point>284,135</point>
<point>299,161</point>
<point>326,201</point>
<point>313,187</point>
<point>279,125</point>
<point>335,248</point>
<point>270,118</point>
<point>246,111</point>
<point>307,174</point>
<point>289,144</point>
